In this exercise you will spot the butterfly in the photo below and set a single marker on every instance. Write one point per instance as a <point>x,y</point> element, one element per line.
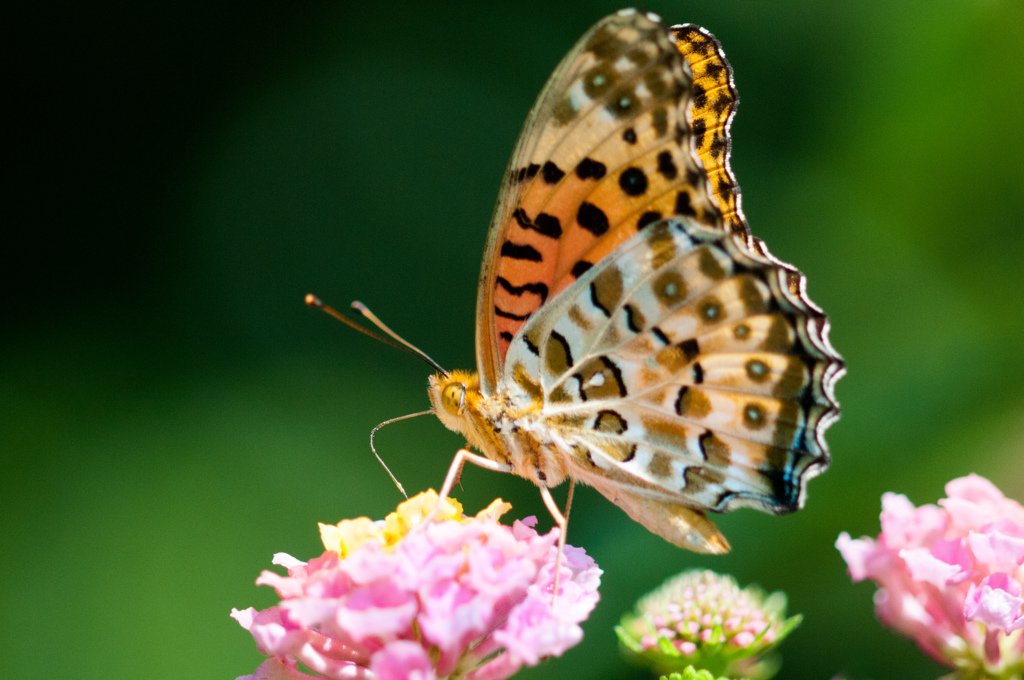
<point>631,334</point>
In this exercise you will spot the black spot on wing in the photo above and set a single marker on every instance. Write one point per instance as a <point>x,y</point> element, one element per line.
<point>538,289</point>
<point>718,146</point>
<point>666,166</point>
<point>683,206</point>
<point>518,251</point>
<point>690,349</point>
<point>629,136</point>
<point>548,225</point>
<point>551,173</point>
<point>498,311</point>
<point>545,224</point>
<point>525,173</point>
<point>590,169</point>
<point>699,129</point>
<point>700,96</point>
<point>580,268</point>
<point>592,218</point>
<point>633,181</point>
<point>647,218</point>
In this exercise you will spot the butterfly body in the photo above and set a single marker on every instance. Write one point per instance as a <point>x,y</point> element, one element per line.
<point>631,333</point>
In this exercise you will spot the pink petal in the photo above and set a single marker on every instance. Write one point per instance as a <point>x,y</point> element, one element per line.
<point>855,551</point>
<point>924,567</point>
<point>310,611</point>
<point>402,660</point>
<point>967,515</point>
<point>500,667</point>
<point>974,488</point>
<point>494,575</point>
<point>286,586</point>
<point>904,526</point>
<point>996,603</point>
<point>955,552</point>
<point>370,563</point>
<point>377,613</point>
<point>994,547</point>
<point>452,616</point>
<point>974,502</point>
<point>282,559</point>
<point>532,632</point>
<point>244,616</point>
<point>275,669</point>
<point>274,634</point>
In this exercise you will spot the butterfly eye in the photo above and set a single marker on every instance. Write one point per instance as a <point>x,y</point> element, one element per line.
<point>453,398</point>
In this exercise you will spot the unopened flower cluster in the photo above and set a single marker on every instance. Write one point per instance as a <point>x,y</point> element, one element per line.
<point>691,673</point>
<point>950,576</point>
<point>707,620</point>
<point>458,597</point>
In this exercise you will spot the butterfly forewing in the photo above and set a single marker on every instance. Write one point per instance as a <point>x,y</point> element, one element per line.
<point>607,149</point>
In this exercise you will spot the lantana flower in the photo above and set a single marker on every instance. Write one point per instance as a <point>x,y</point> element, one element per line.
<point>706,620</point>
<point>458,597</point>
<point>950,576</point>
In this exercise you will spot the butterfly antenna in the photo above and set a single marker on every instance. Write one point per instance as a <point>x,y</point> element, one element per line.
<point>396,340</point>
<point>381,460</point>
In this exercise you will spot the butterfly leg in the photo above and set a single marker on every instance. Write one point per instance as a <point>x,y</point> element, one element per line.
<point>455,471</point>
<point>562,520</point>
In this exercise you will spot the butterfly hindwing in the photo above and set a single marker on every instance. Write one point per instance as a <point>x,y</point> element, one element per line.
<point>607,149</point>
<point>684,367</point>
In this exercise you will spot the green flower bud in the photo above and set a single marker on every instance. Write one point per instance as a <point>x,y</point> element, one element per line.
<point>702,619</point>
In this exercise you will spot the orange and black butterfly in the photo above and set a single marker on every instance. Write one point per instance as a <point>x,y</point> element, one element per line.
<point>631,333</point>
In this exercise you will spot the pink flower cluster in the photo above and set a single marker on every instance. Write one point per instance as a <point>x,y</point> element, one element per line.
<point>950,576</point>
<point>460,596</point>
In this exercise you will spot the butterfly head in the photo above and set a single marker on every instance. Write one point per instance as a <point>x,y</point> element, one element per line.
<point>455,398</point>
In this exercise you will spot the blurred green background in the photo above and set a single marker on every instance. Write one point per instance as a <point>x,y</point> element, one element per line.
<point>181,174</point>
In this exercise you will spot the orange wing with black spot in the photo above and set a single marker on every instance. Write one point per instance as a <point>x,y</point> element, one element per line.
<point>609,147</point>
